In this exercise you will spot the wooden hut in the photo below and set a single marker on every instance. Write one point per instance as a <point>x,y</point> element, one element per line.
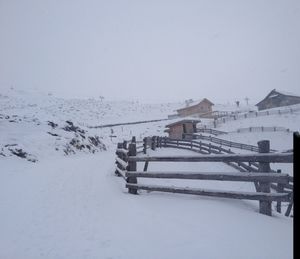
<point>199,109</point>
<point>277,99</point>
<point>177,129</point>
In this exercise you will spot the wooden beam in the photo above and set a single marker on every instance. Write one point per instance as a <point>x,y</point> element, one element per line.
<point>122,150</point>
<point>265,207</point>
<point>121,172</point>
<point>271,158</point>
<point>121,162</point>
<point>214,193</point>
<point>146,166</point>
<point>132,167</point>
<point>218,176</point>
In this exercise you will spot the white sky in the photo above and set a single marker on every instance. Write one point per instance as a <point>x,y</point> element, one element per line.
<point>151,50</point>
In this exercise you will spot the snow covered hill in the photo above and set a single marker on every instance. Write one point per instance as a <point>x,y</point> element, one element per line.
<point>35,125</point>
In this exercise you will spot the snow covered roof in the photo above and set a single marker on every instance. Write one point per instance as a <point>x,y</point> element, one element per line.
<point>275,93</point>
<point>285,93</point>
<point>194,103</point>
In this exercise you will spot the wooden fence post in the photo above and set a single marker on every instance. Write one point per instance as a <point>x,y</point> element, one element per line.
<point>165,141</point>
<point>133,140</point>
<point>124,144</point>
<point>153,143</point>
<point>119,145</point>
<point>132,167</point>
<point>145,145</point>
<point>265,207</point>
<point>215,123</point>
<point>280,188</point>
<point>157,141</point>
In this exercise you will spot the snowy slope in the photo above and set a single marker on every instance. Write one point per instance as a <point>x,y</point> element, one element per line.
<point>35,126</point>
<point>75,207</point>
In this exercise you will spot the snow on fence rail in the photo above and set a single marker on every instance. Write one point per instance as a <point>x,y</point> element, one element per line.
<point>262,180</point>
<point>262,129</point>
<point>242,130</point>
<point>211,131</point>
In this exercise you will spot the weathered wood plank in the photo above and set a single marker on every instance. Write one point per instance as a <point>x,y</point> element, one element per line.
<point>272,157</point>
<point>265,207</point>
<point>218,176</point>
<point>121,162</point>
<point>146,166</point>
<point>122,150</point>
<point>188,148</point>
<point>214,193</point>
<point>121,172</point>
<point>132,167</point>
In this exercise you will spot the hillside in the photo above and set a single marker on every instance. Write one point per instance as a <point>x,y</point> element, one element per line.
<point>34,125</point>
<point>69,203</point>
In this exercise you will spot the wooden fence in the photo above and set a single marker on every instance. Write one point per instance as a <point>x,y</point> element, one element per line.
<point>262,129</point>
<point>242,130</point>
<point>127,160</point>
<point>211,131</point>
<point>224,142</point>
<point>253,114</point>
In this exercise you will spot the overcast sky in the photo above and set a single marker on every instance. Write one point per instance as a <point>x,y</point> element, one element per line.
<point>151,50</point>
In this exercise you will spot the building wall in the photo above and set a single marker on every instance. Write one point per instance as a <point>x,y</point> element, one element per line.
<point>189,128</point>
<point>278,101</point>
<point>196,109</point>
<point>176,131</point>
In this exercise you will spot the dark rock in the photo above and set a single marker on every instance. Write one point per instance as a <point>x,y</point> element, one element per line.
<point>53,134</point>
<point>52,124</point>
<point>10,145</point>
<point>22,154</point>
<point>73,128</point>
<point>18,152</point>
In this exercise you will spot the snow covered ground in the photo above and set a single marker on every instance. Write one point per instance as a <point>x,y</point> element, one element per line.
<point>73,206</point>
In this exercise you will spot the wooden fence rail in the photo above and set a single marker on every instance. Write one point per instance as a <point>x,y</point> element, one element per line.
<point>260,196</point>
<point>267,158</point>
<point>227,143</point>
<point>211,131</point>
<point>262,129</point>
<point>217,176</point>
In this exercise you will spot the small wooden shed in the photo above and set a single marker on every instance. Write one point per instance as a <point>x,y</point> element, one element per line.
<point>177,129</point>
<point>202,108</point>
<point>277,99</point>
